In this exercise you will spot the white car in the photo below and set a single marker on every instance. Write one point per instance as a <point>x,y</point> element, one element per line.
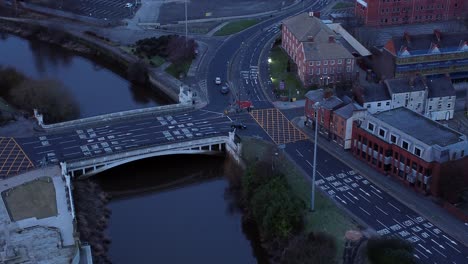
<point>218,80</point>
<point>128,5</point>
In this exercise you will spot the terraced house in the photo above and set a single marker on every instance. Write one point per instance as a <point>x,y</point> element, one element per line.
<point>439,53</point>
<point>316,50</point>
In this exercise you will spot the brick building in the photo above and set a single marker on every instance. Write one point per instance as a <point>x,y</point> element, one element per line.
<point>410,147</point>
<point>396,12</point>
<point>335,116</point>
<point>438,53</point>
<point>316,50</point>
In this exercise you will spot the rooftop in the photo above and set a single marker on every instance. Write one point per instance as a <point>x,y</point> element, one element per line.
<point>420,127</point>
<point>325,50</point>
<point>374,92</point>
<point>304,27</point>
<point>347,110</point>
<point>319,96</point>
<point>405,85</point>
<point>425,43</point>
<point>440,87</point>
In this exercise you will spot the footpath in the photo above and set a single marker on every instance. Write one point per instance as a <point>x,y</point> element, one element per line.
<point>423,205</point>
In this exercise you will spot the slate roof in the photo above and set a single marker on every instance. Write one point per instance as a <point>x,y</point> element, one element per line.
<point>402,85</point>
<point>440,87</point>
<point>304,26</point>
<point>421,43</point>
<point>326,50</point>
<point>375,92</point>
<point>329,103</point>
<point>346,111</point>
<point>420,127</point>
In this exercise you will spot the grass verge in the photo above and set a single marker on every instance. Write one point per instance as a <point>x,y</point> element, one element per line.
<point>341,5</point>
<point>177,69</point>
<point>235,26</point>
<point>279,71</point>
<point>327,216</point>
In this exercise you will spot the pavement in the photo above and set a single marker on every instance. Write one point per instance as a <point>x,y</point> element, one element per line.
<point>423,205</point>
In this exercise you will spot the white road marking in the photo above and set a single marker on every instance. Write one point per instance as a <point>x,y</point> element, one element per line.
<point>355,197</point>
<point>309,163</point>
<point>364,192</point>
<point>348,198</point>
<point>378,208</point>
<point>343,201</point>
<point>144,123</point>
<point>396,208</point>
<point>364,210</point>
<point>373,187</point>
<point>137,129</point>
<point>300,154</point>
<point>421,252</point>
<point>68,141</point>
<point>439,252</point>
<point>43,152</point>
<point>382,224</point>
<point>453,247</point>
<point>451,241</point>
<point>73,153</point>
<point>362,196</point>
<point>377,194</point>
<point>435,242</point>
<point>425,249</point>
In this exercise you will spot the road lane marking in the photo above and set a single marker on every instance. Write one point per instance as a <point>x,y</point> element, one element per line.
<point>309,163</point>
<point>68,141</point>
<point>453,247</point>
<point>137,129</point>
<point>343,201</point>
<point>73,153</point>
<point>382,223</point>
<point>349,199</point>
<point>364,210</point>
<point>451,241</point>
<point>435,242</point>
<point>421,253</point>
<point>425,249</point>
<point>439,252</point>
<point>364,192</point>
<point>300,154</point>
<point>362,196</point>
<point>377,194</point>
<point>373,187</point>
<point>394,206</point>
<point>378,208</point>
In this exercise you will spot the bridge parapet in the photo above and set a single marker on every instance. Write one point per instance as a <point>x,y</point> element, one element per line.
<point>117,116</point>
<point>212,145</point>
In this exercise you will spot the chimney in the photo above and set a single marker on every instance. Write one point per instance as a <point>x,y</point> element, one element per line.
<point>327,93</point>
<point>331,39</point>
<point>368,74</point>
<point>407,37</point>
<point>310,38</point>
<point>437,34</point>
<point>357,75</point>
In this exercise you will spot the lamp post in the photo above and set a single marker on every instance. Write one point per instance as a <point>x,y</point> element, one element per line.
<point>314,164</point>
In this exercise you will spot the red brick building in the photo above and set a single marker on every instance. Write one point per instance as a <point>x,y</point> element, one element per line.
<point>410,147</point>
<point>394,12</point>
<point>320,57</point>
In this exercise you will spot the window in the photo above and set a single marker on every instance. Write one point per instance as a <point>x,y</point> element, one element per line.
<point>348,61</point>
<point>311,71</point>
<point>340,61</point>
<point>370,126</point>
<point>332,62</point>
<point>387,103</point>
<point>324,70</point>
<point>318,71</point>
<point>368,105</point>
<point>381,132</point>
<point>348,68</point>
<point>325,62</point>
<point>417,151</point>
<point>449,105</point>
<point>311,63</point>
<point>393,139</point>
<point>379,104</point>
<point>405,145</point>
<point>317,63</point>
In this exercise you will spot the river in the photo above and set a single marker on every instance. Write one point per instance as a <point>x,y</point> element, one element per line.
<point>164,210</point>
<point>97,89</point>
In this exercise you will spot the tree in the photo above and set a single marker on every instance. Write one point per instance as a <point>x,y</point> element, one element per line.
<point>389,251</point>
<point>50,97</point>
<point>313,248</point>
<point>9,78</point>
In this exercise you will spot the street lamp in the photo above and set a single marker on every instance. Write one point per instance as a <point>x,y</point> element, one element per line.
<point>314,164</point>
<point>269,60</point>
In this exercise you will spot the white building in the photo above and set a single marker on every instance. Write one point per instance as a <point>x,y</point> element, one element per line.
<point>432,97</point>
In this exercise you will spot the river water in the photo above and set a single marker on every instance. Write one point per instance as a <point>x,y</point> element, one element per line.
<point>96,89</point>
<point>164,210</point>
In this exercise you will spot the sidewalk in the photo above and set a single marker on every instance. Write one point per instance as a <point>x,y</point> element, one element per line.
<point>423,205</point>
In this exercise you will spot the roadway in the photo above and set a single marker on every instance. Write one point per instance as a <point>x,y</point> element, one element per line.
<point>364,200</point>
<point>90,142</point>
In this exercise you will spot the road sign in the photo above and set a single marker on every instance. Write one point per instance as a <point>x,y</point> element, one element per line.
<point>281,85</point>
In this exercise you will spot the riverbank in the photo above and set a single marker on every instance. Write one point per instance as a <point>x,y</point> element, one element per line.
<point>90,45</point>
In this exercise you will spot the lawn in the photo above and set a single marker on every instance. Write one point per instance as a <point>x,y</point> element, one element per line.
<point>177,69</point>
<point>327,216</point>
<point>32,199</point>
<point>278,71</point>
<point>154,61</point>
<point>235,26</point>
<point>341,5</point>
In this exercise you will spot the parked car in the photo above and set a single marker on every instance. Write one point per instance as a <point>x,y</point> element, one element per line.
<point>128,5</point>
<point>238,125</point>
<point>224,89</point>
<point>218,80</point>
